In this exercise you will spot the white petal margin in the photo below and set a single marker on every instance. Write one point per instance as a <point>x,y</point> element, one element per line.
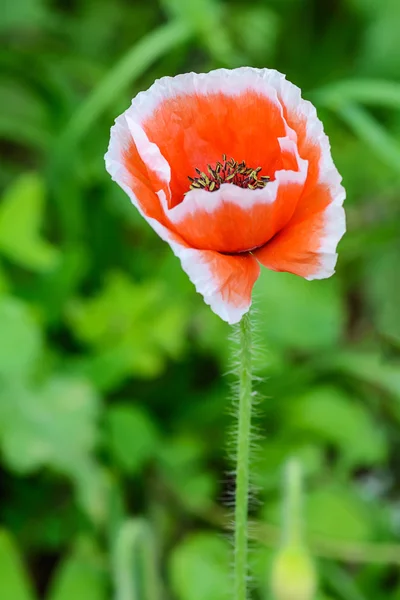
<point>230,82</point>
<point>195,263</point>
<point>272,84</point>
<point>268,82</point>
<point>334,215</point>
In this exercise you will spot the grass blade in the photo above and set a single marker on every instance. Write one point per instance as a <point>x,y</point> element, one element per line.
<point>130,67</point>
<point>371,133</point>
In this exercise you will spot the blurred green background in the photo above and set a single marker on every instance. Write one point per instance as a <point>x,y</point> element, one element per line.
<point>113,406</point>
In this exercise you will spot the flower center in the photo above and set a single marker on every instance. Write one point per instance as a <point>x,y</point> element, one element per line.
<point>229,171</point>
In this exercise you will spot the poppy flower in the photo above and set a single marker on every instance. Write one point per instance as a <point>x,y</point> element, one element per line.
<point>233,170</point>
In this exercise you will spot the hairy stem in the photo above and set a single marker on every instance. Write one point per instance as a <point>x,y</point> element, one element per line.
<point>243,460</point>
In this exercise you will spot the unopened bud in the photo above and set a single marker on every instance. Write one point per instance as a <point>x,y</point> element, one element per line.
<point>293,575</point>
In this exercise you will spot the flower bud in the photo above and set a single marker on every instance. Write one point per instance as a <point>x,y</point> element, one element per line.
<point>293,575</point>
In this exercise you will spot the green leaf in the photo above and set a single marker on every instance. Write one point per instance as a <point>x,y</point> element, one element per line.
<point>131,327</point>
<point>54,425</point>
<point>333,512</point>
<point>14,582</point>
<point>330,415</point>
<point>21,215</point>
<point>372,368</point>
<point>299,314</point>
<point>80,576</point>
<point>199,568</point>
<point>131,436</point>
<point>338,514</point>
<point>182,463</point>
<point>21,340</point>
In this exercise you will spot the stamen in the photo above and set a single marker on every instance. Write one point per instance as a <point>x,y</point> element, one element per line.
<point>229,171</point>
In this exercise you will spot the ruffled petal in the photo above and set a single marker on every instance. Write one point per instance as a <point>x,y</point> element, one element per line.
<point>139,173</point>
<point>225,282</point>
<point>196,118</point>
<point>307,247</point>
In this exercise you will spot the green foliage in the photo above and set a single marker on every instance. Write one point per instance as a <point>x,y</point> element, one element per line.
<point>112,396</point>
<point>21,338</point>
<point>80,576</point>
<point>21,214</point>
<point>311,318</point>
<point>200,568</point>
<point>132,436</point>
<point>14,582</point>
<point>137,324</point>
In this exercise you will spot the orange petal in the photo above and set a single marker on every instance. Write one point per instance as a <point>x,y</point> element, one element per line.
<point>307,246</point>
<point>194,125</point>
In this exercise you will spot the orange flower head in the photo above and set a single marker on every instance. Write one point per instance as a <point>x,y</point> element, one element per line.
<point>232,169</point>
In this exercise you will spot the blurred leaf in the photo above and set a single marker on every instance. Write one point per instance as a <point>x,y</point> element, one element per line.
<point>332,512</point>
<point>92,488</point>
<point>14,582</point>
<point>372,133</point>
<point>342,582</point>
<point>4,287</point>
<point>295,313</point>
<point>21,339</point>
<point>21,214</point>
<point>80,576</point>
<point>383,289</point>
<point>139,324</point>
<point>135,62</point>
<point>338,514</point>
<point>54,425</point>
<point>372,368</point>
<point>131,436</point>
<point>206,17</point>
<point>183,469</point>
<point>24,119</point>
<point>256,29</point>
<point>377,92</point>
<point>22,13</point>
<point>331,415</point>
<point>379,54</point>
<point>267,470</point>
<point>135,563</point>
<point>200,568</point>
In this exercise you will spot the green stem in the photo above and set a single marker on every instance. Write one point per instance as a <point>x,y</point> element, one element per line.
<point>243,459</point>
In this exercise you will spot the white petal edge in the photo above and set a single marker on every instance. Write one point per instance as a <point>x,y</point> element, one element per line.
<point>268,82</point>
<point>193,261</point>
<point>232,82</point>
<point>334,214</point>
